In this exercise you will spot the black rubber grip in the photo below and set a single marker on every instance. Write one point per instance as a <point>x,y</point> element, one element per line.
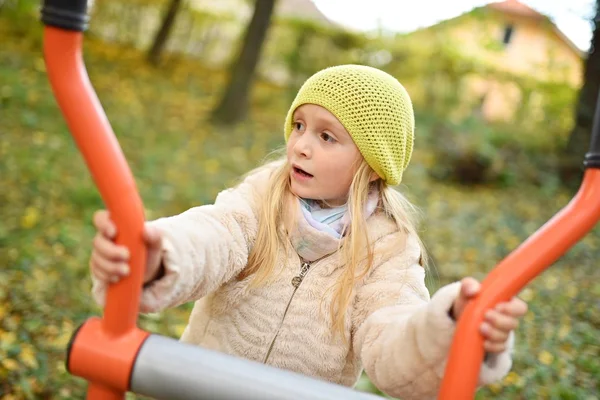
<point>66,14</point>
<point>592,158</point>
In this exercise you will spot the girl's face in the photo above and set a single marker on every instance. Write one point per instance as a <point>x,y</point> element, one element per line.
<point>322,154</point>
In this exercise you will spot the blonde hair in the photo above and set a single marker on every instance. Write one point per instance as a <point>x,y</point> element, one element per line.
<point>277,216</point>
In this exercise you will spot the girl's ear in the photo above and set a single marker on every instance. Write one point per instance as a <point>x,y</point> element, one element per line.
<point>374,176</point>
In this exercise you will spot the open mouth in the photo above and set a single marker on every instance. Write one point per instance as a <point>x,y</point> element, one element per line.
<point>302,172</point>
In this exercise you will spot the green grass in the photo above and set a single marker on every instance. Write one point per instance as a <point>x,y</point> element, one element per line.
<point>179,160</point>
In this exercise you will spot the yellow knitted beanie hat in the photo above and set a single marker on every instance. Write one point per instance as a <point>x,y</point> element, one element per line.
<point>373,107</point>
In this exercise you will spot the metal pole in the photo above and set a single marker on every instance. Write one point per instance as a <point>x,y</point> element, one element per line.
<point>169,370</point>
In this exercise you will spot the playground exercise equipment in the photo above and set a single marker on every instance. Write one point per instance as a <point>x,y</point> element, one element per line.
<point>115,356</point>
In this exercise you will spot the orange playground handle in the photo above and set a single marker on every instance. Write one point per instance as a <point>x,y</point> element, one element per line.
<point>512,274</point>
<point>96,141</point>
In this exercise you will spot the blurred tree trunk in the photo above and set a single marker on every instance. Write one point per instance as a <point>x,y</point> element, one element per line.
<point>160,40</point>
<point>234,104</point>
<point>579,140</point>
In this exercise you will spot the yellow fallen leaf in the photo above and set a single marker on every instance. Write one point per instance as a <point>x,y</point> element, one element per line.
<point>529,317</point>
<point>10,364</point>
<point>59,250</point>
<point>39,138</point>
<point>551,282</point>
<point>495,388</point>
<point>7,338</point>
<point>564,331</point>
<point>211,166</point>
<point>30,218</point>
<point>60,367</point>
<point>513,242</point>
<point>545,357</point>
<point>39,65</point>
<point>511,378</point>
<point>51,330</point>
<point>27,356</point>
<point>65,335</point>
<point>526,294</point>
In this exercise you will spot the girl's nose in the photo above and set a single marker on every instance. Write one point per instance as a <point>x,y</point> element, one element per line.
<point>303,148</point>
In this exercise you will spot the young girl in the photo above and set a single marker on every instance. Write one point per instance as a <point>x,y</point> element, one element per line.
<point>312,263</point>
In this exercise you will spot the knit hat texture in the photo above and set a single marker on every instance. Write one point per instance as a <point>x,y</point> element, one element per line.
<point>373,107</point>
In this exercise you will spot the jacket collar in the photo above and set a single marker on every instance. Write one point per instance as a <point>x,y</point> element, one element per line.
<point>312,243</point>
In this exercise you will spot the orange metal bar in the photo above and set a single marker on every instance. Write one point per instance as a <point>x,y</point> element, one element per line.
<point>530,259</point>
<point>96,141</point>
<point>103,392</point>
<point>104,358</point>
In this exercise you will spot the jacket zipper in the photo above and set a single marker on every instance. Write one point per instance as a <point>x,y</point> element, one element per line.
<point>296,281</point>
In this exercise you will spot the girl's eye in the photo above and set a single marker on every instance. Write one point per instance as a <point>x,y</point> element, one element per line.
<point>327,137</point>
<point>299,126</point>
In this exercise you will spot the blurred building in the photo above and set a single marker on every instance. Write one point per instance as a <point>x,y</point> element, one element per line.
<point>510,37</point>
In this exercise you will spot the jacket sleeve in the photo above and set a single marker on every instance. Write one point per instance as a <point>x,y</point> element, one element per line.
<point>402,337</point>
<point>203,247</point>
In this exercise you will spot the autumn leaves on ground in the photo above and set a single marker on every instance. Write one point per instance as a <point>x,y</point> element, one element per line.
<point>179,160</point>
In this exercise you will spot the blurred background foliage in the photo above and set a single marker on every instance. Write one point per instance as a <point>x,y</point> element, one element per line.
<point>483,186</point>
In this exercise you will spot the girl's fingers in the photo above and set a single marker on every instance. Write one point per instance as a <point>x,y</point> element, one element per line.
<point>492,334</point>
<point>494,347</point>
<point>97,272</point>
<point>469,287</point>
<point>101,274</point>
<point>108,262</point>
<point>101,265</point>
<point>109,250</point>
<point>501,321</point>
<point>104,225</point>
<point>515,308</point>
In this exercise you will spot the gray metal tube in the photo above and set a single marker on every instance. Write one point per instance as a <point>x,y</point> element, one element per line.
<point>167,369</point>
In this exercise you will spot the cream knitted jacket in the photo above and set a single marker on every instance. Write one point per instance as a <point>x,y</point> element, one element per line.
<point>394,330</point>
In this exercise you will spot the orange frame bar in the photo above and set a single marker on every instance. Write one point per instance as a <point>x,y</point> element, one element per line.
<point>103,351</point>
<point>530,259</point>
